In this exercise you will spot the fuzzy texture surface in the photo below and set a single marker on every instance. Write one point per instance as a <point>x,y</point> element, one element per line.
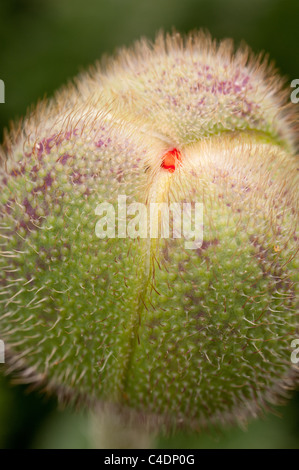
<point>182,337</point>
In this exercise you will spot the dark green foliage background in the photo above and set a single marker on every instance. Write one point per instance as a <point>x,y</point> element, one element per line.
<point>43,44</point>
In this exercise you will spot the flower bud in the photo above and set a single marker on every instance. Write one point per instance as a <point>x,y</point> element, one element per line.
<point>149,256</point>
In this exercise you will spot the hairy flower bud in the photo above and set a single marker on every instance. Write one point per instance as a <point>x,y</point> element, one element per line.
<point>183,334</point>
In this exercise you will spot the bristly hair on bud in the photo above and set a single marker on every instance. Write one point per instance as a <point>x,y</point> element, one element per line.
<point>176,337</point>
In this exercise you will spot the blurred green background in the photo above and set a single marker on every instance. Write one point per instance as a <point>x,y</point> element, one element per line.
<point>44,43</point>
